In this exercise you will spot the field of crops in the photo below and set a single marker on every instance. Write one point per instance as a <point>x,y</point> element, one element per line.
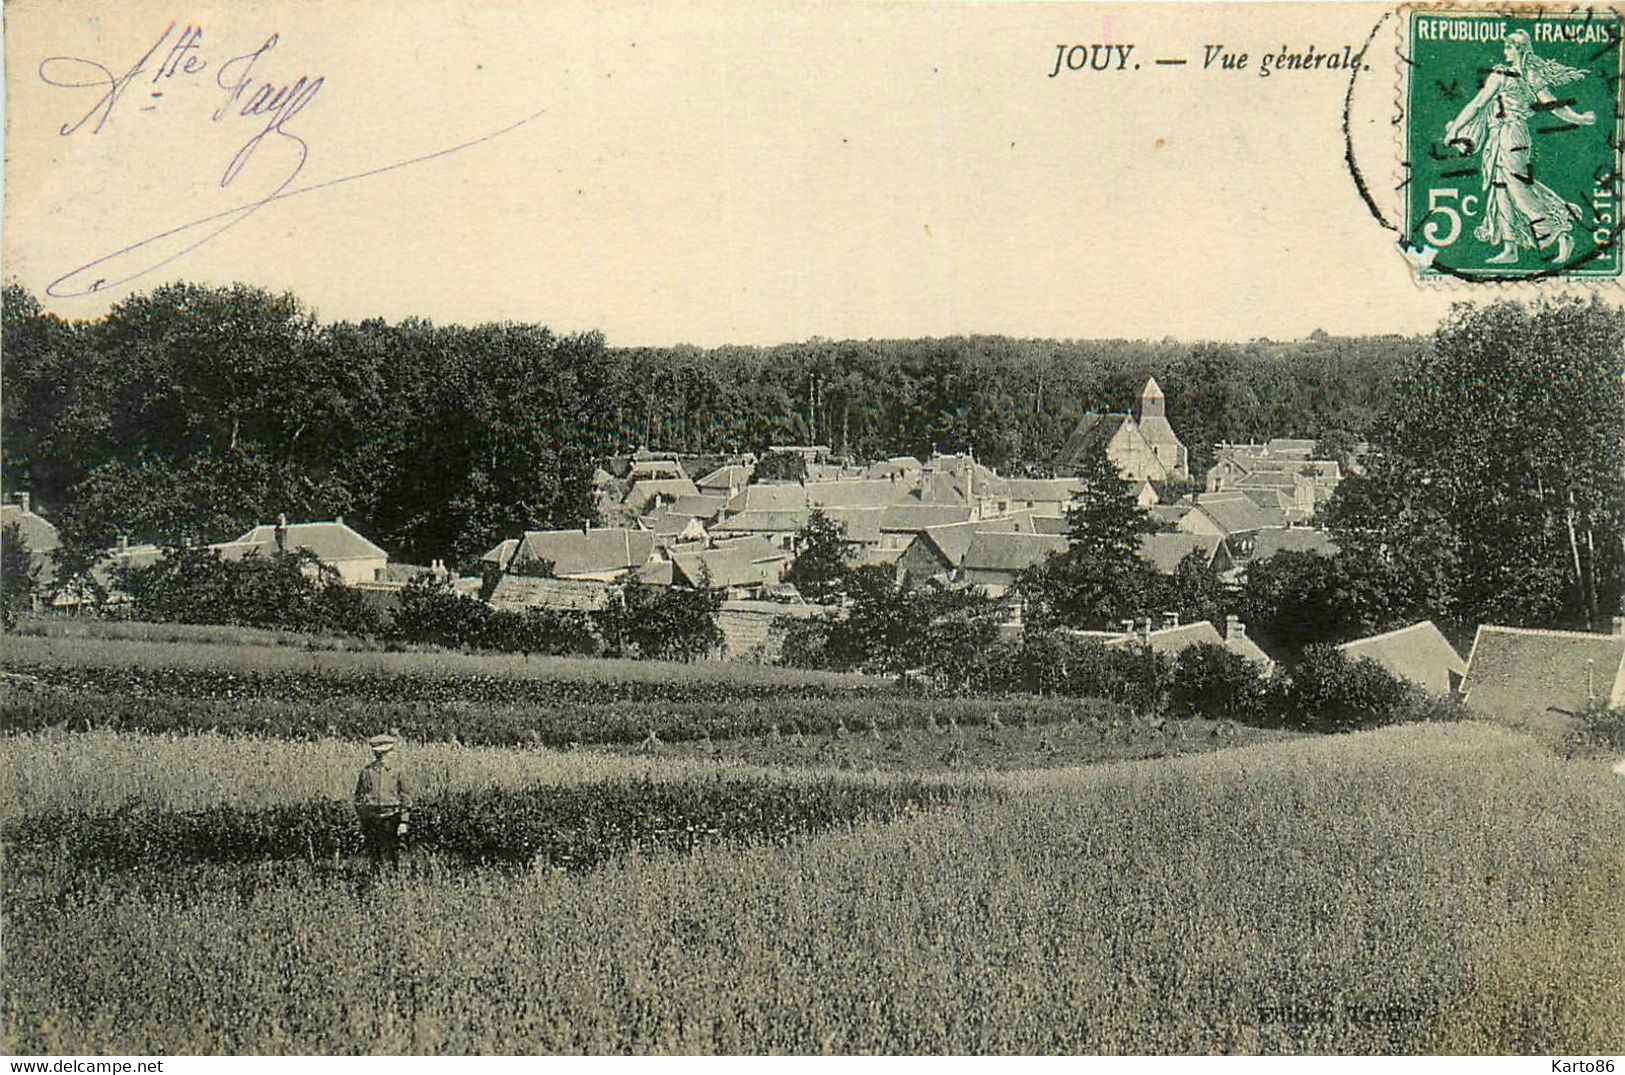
<point>790,863</point>
<point>1426,888</point>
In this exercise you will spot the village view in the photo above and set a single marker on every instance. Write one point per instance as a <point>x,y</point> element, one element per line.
<point>972,695</point>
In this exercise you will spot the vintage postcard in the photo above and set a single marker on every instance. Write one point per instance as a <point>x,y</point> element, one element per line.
<point>799,527</point>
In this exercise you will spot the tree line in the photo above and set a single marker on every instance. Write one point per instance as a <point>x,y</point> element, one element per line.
<point>193,412</point>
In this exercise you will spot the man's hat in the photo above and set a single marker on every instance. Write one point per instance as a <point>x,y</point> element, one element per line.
<point>382,742</point>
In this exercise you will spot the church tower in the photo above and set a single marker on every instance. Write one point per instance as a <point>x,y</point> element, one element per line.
<point>1165,443</point>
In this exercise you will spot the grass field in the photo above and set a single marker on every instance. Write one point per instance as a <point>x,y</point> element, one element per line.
<point>1423,888</point>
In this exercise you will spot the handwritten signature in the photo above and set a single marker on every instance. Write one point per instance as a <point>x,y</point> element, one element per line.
<point>268,105</point>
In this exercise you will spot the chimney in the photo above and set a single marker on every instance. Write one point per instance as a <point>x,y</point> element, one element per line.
<point>1128,627</point>
<point>338,519</point>
<point>1170,619</point>
<point>1619,625</point>
<point>1148,623</point>
<point>124,543</point>
<point>281,533</point>
<point>1234,628</point>
<point>24,501</point>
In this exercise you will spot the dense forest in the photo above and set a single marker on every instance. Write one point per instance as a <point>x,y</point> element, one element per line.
<point>194,412</point>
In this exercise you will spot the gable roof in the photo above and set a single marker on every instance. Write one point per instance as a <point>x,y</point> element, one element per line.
<point>953,540</point>
<point>856,493</point>
<point>586,552</point>
<point>331,542</point>
<point>1419,653</point>
<point>1234,513</point>
<point>657,469</point>
<point>700,506</point>
<point>1518,672</point>
<point>1172,640</point>
<point>764,522</point>
<point>1052,490</point>
<point>862,524</point>
<point>36,530</point>
<point>1294,539</point>
<point>529,591</point>
<point>1003,551</point>
<point>644,491</point>
<point>1169,514</point>
<point>769,496</point>
<point>1092,433</point>
<point>1051,524</point>
<point>1165,551</point>
<point>731,476</point>
<point>904,466</point>
<point>726,566</point>
<point>911,516</point>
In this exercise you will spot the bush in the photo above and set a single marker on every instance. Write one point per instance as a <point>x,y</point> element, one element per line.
<point>290,591</point>
<point>1327,692</point>
<point>1210,681</point>
<point>671,623</point>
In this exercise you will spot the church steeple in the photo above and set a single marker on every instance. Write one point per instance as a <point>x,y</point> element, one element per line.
<point>1151,400</point>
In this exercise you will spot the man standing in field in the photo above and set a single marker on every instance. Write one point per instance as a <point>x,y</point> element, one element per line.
<point>383,803</point>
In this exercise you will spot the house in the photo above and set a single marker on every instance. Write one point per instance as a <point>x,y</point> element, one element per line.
<point>1521,673</point>
<point>725,481</point>
<point>780,527</point>
<point>37,532</point>
<point>961,480</point>
<point>603,555</point>
<point>333,543</point>
<point>856,493</point>
<point>994,558</point>
<point>939,550</point>
<point>860,525</point>
<point>1232,516</point>
<point>1173,638</point>
<point>739,568</point>
<point>656,469</point>
<point>1268,542</point>
<point>703,507</point>
<point>769,496</point>
<point>901,522</point>
<point>650,494</point>
<point>1165,552</point>
<point>1046,496</point>
<point>1419,653</point>
<point>904,468</point>
<point>672,528</point>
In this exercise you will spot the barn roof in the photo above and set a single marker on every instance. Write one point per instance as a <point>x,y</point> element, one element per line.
<point>992,550</point>
<point>770,496</point>
<point>1293,539</point>
<point>36,530</point>
<point>587,552</point>
<point>1524,672</point>
<point>329,541</point>
<point>912,517</point>
<point>1164,551</point>
<point>1419,653</point>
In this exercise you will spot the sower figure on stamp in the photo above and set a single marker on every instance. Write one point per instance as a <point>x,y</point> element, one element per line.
<point>1519,211</point>
<point>383,803</point>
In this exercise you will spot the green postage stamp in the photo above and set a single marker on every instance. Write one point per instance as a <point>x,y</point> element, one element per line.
<point>1511,126</point>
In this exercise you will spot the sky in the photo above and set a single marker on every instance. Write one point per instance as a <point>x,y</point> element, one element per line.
<point>715,173</point>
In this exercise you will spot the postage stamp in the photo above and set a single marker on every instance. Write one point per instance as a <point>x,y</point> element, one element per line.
<point>1511,134</point>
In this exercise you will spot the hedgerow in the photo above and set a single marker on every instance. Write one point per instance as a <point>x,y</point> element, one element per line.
<point>572,827</point>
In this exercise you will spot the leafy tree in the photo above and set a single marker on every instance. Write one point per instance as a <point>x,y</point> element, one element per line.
<point>670,623</point>
<point>1212,682</point>
<point>1193,591</point>
<point>819,570</point>
<point>1497,481</point>
<point>1100,578</point>
<point>1327,692</point>
<point>18,574</point>
<point>781,467</point>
